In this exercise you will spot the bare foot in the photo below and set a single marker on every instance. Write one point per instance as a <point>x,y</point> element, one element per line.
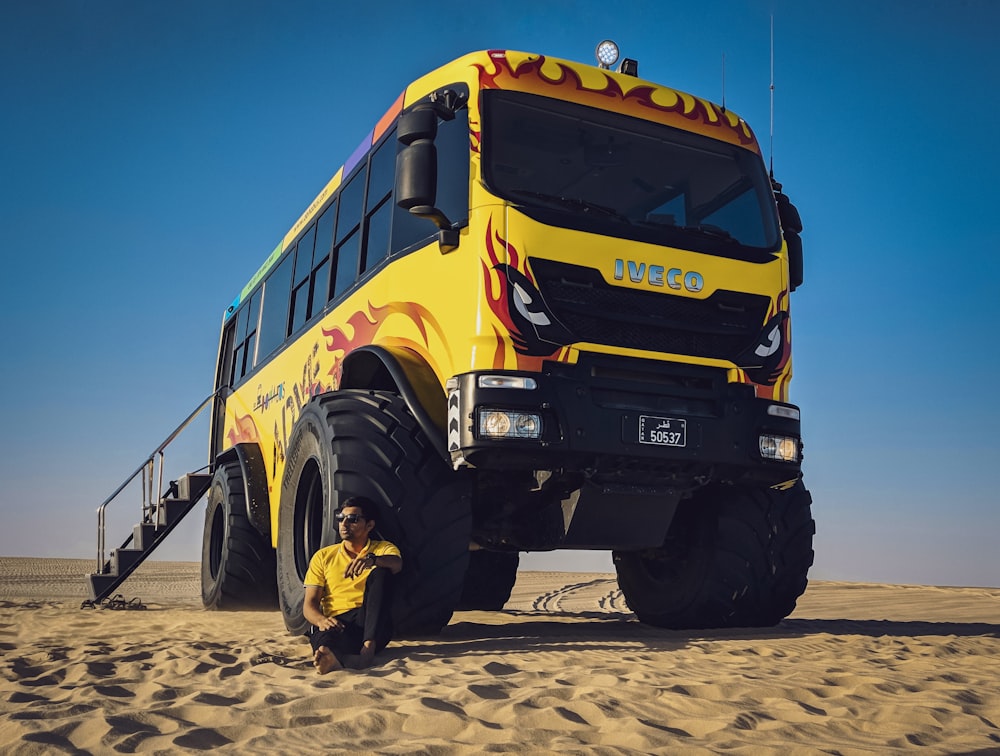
<point>367,655</point>
<point>325,661</point>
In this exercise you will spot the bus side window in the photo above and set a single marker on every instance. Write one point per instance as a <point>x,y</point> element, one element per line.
<point>227,351</point>
<point>378,211</point>
<point>408,229</point>
<point>348,236</point>
<point>347,262</point>
<point>319,286</point>
<point>274,310</point>
<point>246,336</point>
<point>300,282</point>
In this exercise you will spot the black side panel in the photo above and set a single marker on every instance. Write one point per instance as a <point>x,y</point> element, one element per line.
<point>405,373</point>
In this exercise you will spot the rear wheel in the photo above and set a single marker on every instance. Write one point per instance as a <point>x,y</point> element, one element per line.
<point>733,557</point>
<point>237,562</point>
<point>367,443</point>
<point>489,580</point>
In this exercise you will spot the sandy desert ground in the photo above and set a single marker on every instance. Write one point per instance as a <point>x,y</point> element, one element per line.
<point>858,668</point>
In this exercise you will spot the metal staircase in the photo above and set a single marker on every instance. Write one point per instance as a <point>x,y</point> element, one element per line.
<point>159,517</point>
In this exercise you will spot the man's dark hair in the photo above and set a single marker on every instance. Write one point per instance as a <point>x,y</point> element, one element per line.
<point>369,509</point>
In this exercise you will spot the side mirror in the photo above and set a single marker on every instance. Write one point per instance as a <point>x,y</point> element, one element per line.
<point>791,225</point>
<point>795,265</point>
<point>416,175</point>
<point>417,124</point>
<point>416,168</point>
<point>788,214</point>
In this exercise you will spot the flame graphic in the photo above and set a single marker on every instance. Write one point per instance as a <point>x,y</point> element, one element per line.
<point>782,375</point>
<point>593,86</point>
<point>774,385</point>
<point>498,301</point>
<point>513,256</point>
<point>533,341</point>
<point>363,326</point>
<point>244,431</point>
<point>475,131</point>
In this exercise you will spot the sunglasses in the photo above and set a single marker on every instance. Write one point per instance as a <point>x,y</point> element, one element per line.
<point>350,518</point>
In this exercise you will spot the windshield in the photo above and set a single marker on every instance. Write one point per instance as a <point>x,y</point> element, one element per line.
<point>585,168</point>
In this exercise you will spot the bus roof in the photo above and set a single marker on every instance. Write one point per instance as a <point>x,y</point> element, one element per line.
<point>552,77</point>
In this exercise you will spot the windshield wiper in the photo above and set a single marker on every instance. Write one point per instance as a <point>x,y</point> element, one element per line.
<point>715,232</point>
<point>573,203</point>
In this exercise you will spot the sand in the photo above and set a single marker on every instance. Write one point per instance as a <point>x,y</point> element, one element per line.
<point>858,668</point>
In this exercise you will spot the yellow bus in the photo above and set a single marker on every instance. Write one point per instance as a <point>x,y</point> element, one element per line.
<point>543,305</point>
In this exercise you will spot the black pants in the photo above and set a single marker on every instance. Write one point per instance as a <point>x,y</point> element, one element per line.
<point>370,621</point>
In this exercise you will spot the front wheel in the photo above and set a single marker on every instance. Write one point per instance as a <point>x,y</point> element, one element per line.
<point>237,562</point>
<point>733,557</point>
<point>367,443</point>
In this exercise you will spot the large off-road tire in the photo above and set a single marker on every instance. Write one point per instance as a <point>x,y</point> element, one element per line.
<point>733,557</point>
<point>367,443</point>
<point>489,580</point>
<point>237,563</point>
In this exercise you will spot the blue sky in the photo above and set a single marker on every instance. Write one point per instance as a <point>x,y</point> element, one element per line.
<point>152,154</point>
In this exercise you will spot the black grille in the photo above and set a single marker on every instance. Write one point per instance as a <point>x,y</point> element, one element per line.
<point>721,326</point>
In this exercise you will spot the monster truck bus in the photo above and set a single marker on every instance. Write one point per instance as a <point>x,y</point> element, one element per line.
<point>543,305</point>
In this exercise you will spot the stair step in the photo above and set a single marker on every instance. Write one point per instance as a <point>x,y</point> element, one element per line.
<point>172,510</point>
<point>100,585</point>
<point>123,560</point>
<point>193,486</point>
<point>144,535</point>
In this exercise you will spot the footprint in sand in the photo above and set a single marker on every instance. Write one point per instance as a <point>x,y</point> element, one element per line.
<point>101,669</point>
<point>211,699</point>
<point>498,669</point>
<point>201,739</point>
<point>114,691</point>
<point>438,705</point>
<point>489,692</point>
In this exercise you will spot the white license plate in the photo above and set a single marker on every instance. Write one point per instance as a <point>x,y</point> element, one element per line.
<point>662,431</point>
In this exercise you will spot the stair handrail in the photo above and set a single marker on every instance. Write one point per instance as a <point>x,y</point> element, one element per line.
<point>150,465</point>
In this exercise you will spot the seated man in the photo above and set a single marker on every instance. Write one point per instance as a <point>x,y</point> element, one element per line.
<point>346,591</point>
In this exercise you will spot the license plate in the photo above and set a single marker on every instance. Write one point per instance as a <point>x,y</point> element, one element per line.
<point>662,431</point>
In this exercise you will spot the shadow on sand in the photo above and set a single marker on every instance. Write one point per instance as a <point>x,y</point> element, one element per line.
<point>580,631</point>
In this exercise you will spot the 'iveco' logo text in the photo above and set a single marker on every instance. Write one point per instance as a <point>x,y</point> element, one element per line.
<point>657,275</point>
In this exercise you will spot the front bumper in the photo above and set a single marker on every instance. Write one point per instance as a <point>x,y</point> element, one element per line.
<point>596,416</point>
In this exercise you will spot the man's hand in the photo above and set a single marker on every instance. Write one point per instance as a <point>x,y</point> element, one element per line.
<point>330,623</point>
<point>312,610</point>
<point>359,565</point>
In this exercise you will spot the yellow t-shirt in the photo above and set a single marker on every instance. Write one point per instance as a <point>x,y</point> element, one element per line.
<point>326,570</point>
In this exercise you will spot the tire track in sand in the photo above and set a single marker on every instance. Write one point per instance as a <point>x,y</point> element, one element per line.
<point>600,594</point>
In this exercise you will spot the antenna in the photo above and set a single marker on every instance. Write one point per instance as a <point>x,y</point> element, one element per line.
<point>723,82</point>
<point>771,144</point>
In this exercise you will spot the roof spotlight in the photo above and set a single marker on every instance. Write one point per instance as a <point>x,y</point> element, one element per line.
<point>607,54</point>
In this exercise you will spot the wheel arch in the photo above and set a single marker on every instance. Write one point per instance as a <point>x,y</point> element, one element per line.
<point>406,373</point>
<point>258,501</point>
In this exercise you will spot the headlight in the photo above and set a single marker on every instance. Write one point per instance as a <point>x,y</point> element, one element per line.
<point>497,423</point>
<point>781,448</point>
